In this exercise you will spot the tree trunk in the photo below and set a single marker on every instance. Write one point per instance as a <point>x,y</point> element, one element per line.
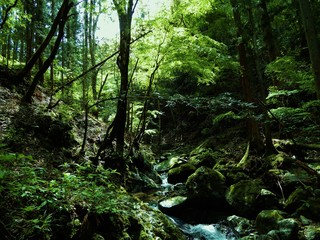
<point>245,78</point>
<point>35,57</point>
<point>125,19</point>
<point>313,43</point>
<point>269,148</point>
<point>268,36</point>
<point>62,21</point>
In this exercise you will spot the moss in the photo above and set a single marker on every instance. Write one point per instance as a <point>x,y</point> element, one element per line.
<point>206,182</point>
<point>180,174</point>
<point>204,157</point>
<point>243,196</point>
<point>267,220</point>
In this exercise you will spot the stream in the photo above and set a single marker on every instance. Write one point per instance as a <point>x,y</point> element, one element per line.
<point>197,230</point>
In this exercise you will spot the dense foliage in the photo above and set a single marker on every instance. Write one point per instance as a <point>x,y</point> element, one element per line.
<point>187,72</point>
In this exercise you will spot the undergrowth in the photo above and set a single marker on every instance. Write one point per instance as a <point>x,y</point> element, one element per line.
<point>37,203</point>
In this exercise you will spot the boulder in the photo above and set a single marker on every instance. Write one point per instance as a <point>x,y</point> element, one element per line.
<point>287,229</point>
<point>172,205</point>
<point>310,208</point>
<point>274,224</point>
<point>291,179</point>
<point>181,173</point>
<point>267,220</point>
<point>249,197</point>
<point>171,162</point>
<point>297,198</point>
<point>204,157</point>
<point>243,226</point>
<point>206,183</point>
<point>311,232</point>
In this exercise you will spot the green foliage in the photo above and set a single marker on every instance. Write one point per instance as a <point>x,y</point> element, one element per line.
<point>35,197</point>
<point>225,117</point>
<point>292,74</point>
<point>297,122</point>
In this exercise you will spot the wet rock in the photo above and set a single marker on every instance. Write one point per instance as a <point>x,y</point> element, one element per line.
<point>243,226</point>
<point>172,205</point>
<point>311,232</point>
<point>206,182</point>
<point>169,163</point>
<point>181,173</point>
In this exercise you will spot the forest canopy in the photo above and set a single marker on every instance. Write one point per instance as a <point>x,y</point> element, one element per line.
<point>108,84</point>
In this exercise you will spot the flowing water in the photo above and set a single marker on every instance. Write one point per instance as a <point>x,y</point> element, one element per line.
<point>214,231</point>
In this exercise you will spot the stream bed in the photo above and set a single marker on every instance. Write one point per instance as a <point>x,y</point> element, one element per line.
<point>196,229</point>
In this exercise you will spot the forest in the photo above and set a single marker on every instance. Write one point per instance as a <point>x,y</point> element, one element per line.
<point>199,119</point>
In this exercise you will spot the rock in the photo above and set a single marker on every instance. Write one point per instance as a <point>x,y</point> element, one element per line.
<point>267,220</point>
<point>279,160</point>
<point>242,225</point>
<point>244,197</point>
<point>233,176</point>
<point>135,221</point>
<point>206,182</point>
<point>287,229</point>
<point>181,173</point>
<point>297,198</point>
<point>172,205</point>
<point>274,224</point>
<point>311,232</point>
<point>169,163</point>
<point>204,157</point>
<point>310,208</point>
<point>291,180</point>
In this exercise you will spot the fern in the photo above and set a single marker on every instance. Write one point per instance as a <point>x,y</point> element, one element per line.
<point>225,117</point>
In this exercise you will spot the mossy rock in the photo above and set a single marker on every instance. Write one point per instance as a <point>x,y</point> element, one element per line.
<point>287,230</point>
<point>168,164</point>
<point>297,198</point>
<point>181,173</point>
<point>267,220</point>
<point>204,157</point>
<point>131,219</point>
<point>311,232</point>
<point>243,197</point>
<point>242,225</point>
<point>274,224</point>
<point>310,208</point>
<point>279,160</point>
<point>206,182</point>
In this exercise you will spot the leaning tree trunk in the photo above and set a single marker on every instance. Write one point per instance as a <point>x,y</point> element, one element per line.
<point>61,22</point>
<point>64,9</point>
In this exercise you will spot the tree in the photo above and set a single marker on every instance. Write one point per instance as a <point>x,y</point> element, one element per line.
<point>245,78</point>
<point>60,22</point>
<point>313,42</point>
<point>6,13</point>
<point>125,10</point>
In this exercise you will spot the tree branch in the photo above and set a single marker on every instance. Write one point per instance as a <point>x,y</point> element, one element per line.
<point>6,14</point>
<point>97,65</point>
